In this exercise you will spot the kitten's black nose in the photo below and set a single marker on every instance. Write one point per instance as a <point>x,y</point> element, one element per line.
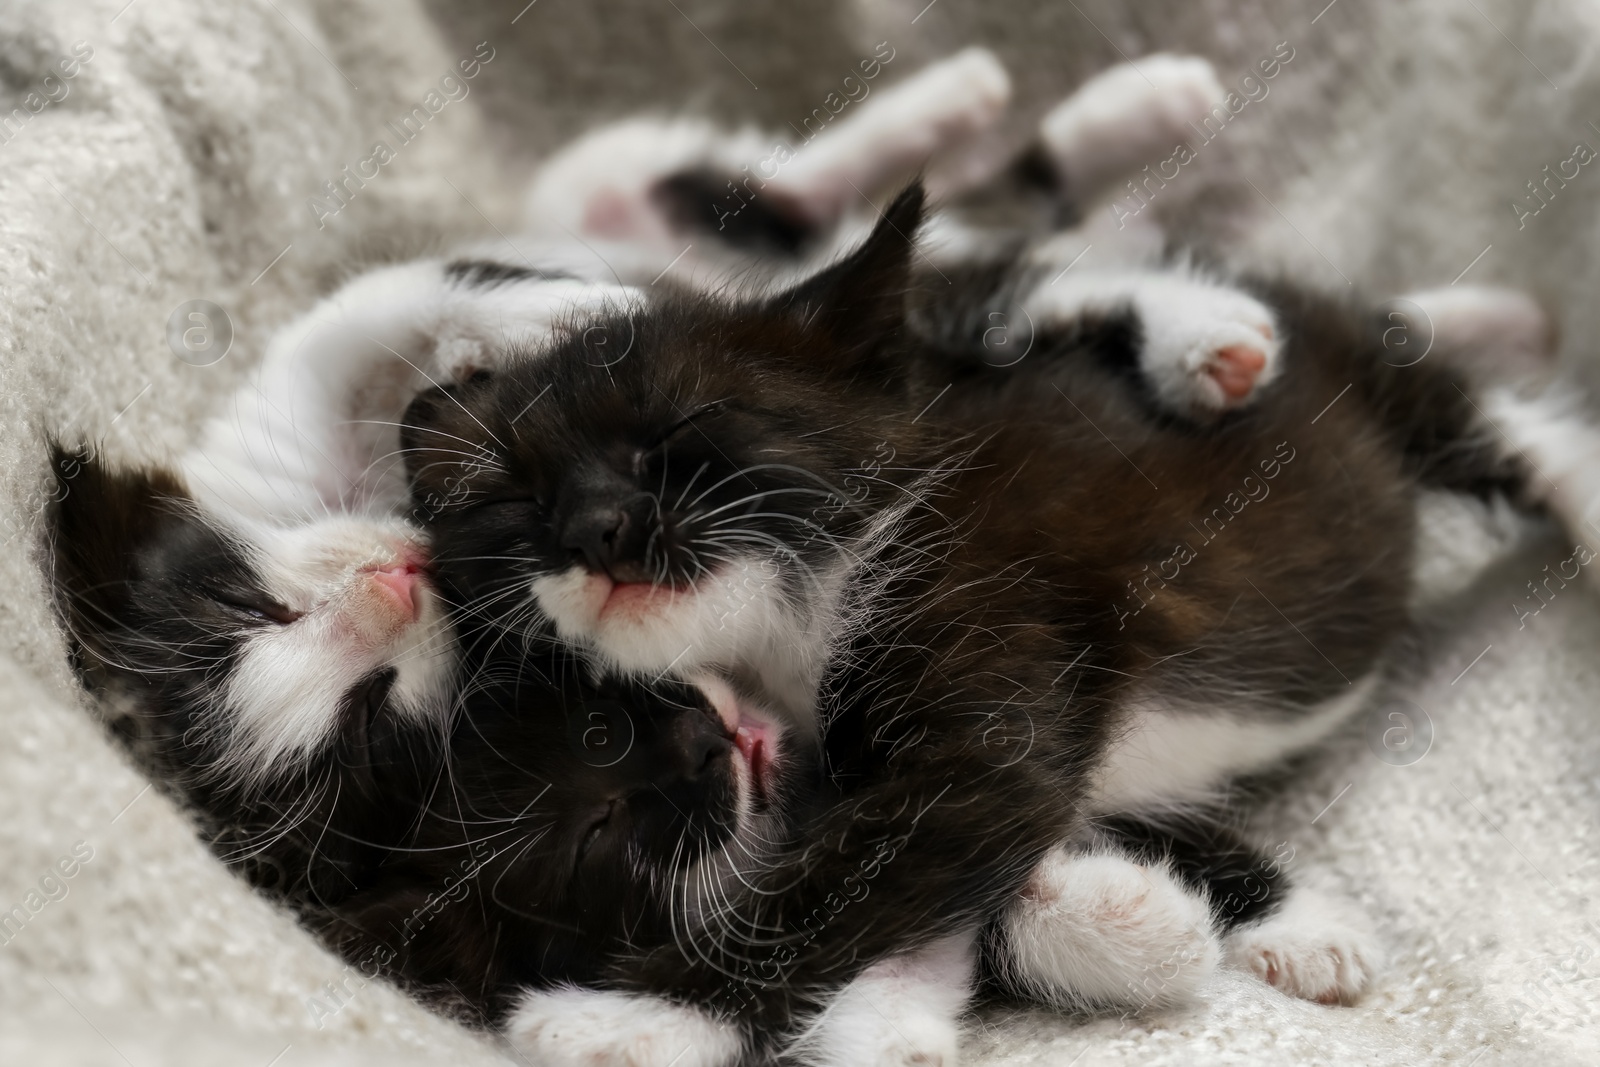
<point>611,537</point>
<point>593,534</point>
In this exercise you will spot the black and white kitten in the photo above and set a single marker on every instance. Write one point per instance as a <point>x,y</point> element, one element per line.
<point>264,610</point>
<point>959,587</point>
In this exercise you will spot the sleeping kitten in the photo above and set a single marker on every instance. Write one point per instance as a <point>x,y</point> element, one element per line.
<point>264,609</point>
<point>571,806</point>
<point>278,679</point>
<point>577,813</point>
<point>1020,560</point>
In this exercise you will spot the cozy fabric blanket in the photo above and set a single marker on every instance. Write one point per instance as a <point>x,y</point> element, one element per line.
<point>159,152</point>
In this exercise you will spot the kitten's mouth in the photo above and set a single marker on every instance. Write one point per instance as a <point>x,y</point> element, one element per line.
<point>754,741</point>
<point>403,583</point>
<point>754,736</point>
<point>619,599</point>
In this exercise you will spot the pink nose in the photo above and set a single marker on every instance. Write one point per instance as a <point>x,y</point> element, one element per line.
<point>401,582</point>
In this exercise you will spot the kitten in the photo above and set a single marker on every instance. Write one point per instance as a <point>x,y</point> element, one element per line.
<point>264,610</point>
<point>577,812</point>
<point>572,806</point>
<point>279,680</point>
<point>1023,561</point>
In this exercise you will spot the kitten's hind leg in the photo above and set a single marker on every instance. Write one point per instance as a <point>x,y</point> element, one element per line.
<point>1098,930</point>
<point>899,1012</point>
<point>1125,118</point>
<point>1315,947</point>
<point>1203,348</point>
<point>895,132</point>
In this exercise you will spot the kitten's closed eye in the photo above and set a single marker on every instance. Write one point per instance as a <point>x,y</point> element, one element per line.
<point>508,505</point>
<point>677,428</point>
<point>598,826</point>
<point>255,606</point>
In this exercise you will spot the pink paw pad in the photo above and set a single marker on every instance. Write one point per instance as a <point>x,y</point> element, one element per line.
<point>1236,368</point>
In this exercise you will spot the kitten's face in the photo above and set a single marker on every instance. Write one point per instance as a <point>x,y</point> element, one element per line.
<point>678,487</point>
<point>594,809</point>
<point>263,647</point>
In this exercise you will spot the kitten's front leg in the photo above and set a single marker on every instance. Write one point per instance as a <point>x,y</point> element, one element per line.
<point>900,1012</point>
<point>1203,347</point>
<point>573,1027</point>
<point>1098,930</point>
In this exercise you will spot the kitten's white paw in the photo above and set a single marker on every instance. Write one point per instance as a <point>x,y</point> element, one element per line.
<point>897,131</point>
<point>570,1027</point>
<point>1555,435</point>
<point>1205,347</point>
<point>1130,115</point>
<point>1100,930</point>
<point>964,95</point>
<point>901,1012</point>
<point>1314,947</point>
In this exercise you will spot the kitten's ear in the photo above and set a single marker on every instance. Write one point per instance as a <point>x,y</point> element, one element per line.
<point>97,522</point>
<point>860,300</point>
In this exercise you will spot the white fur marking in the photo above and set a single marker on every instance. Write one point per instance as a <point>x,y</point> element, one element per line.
<point>1562,444</point>
<point>570,1027</point>
<point>1098,930</point>
<point>900,1012</point>
<point>1314,947</point>
<point>1166,756</point>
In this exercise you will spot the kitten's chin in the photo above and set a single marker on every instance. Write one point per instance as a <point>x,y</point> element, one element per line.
<point>636,626</point>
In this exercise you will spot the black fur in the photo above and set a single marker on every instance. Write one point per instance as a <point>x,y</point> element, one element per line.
<point>488,273</point>
<point>702,201</point>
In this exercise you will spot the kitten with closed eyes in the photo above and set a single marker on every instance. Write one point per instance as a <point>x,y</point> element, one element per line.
<point>1003,547</point>
<point>263,613</point>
